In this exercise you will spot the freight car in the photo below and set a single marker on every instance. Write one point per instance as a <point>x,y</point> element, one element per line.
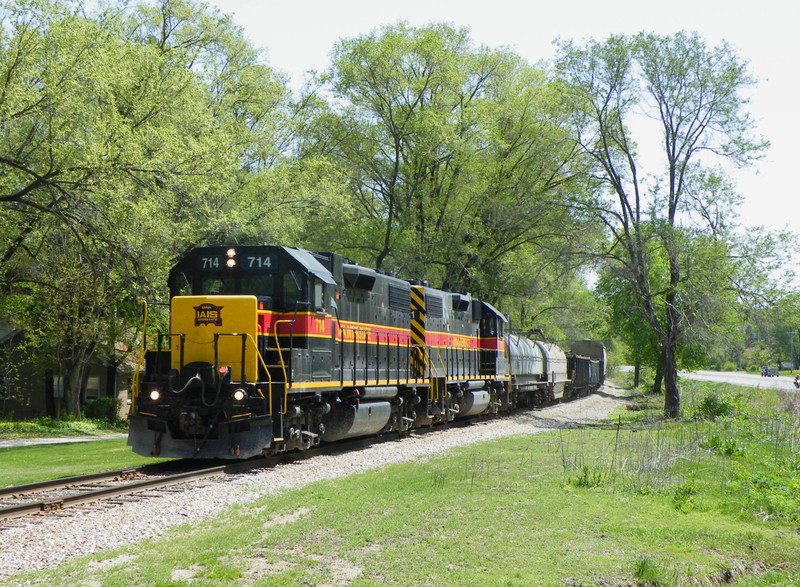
<point>274,348</point>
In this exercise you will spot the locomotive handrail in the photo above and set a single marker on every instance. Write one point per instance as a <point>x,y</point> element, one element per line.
<point>335,341</point>
<point>441,363</point>
<point>443,373</point>
<point>350,339</point>
<point>426,359</point>
<point>287,384</point>
<point>266,370</point>
<point>161,336</point>
<point>420,353</point>
<point>354,331</point>
<point>139,360</point>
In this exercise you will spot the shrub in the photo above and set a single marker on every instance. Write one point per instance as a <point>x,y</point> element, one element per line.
<point>727,447</point>
<point>104,408</point>
<point>713,407</point>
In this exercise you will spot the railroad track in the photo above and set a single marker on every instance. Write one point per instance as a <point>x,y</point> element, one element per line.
<point>57,495</point>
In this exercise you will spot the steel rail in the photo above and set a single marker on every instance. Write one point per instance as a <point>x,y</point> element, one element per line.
<point>64,482</point>
<point>96,494</point>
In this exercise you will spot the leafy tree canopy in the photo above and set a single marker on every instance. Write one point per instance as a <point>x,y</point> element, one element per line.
<point>657,223</point>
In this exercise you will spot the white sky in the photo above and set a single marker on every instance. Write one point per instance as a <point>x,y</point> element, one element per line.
<point>299,34</point>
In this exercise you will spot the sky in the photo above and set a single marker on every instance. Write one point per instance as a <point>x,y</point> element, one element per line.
<point>299,35</point>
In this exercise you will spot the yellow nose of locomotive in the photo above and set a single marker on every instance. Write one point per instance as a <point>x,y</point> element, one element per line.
<point>217,329</point>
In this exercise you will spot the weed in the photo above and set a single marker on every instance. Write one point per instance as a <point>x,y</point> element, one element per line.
<point>59,427</point>
<point>508,497</point>
<point>682,497</point>
<point>648,572</point>
<point>587,478</point>
<point>727,447</point>
<point>438,479</point>
<point>743,445</point>
<point>712,407</point>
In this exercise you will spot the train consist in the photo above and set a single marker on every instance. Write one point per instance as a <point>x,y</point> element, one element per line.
<point>274,348</point>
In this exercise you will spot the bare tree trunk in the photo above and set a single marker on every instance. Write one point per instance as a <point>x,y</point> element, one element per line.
<point>672,397</point>
<point>659,377</point>
<point>672,394</point>
<point>75,379</point>
<point>72,390</point>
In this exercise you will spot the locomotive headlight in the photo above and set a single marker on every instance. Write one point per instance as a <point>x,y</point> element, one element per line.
<point>231,254</point>
<point>239,395</point>
<point>155,395</point>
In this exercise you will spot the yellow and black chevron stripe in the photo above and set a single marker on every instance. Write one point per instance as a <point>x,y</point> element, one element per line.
<point>418,330</point>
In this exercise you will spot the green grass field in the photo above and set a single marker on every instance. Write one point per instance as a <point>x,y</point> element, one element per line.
<point>709,500</point>
<point>29,464</point>
<point>50,427</point>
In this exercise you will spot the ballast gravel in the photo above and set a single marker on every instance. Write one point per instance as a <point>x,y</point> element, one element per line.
<point>46,541</point>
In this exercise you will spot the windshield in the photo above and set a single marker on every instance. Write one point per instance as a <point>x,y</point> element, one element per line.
<point>285,290</point>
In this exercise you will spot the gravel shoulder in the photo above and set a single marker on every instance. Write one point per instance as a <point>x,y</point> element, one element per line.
<point>52,540</point>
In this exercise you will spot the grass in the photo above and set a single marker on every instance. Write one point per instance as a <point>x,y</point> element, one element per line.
<point>28,464</point>
<point>707,500</point>
<point>39,427</point>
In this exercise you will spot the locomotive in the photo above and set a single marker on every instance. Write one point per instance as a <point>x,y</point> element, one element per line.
<point>273,348</point>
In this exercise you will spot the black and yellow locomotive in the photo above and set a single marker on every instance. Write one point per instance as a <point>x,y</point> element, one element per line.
<point>273,348</point>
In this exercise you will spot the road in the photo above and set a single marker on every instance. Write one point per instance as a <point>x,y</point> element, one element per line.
<point>783,383</point>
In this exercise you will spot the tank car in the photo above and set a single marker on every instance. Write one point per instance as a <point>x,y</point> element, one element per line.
<point>542,372</point>
<point>273,348</point>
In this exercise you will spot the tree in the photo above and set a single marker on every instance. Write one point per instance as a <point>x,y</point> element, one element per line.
<point>458,160</point>
<point>130,134</point>
<point>626,322</point>
<point>693,93</point>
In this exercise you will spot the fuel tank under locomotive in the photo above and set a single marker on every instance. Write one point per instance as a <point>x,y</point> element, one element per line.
<point>376,409</point>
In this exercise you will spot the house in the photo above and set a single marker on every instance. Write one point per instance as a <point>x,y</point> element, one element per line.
<point>27,390</point>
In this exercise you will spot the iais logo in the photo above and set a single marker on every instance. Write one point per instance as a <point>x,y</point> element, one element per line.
<point>208,314</point>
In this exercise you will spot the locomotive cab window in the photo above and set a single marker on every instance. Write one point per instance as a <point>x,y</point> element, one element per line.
<point>182,285</point>
<point>489,326</point>
<point>218,285</point>
<point>293,290</point>
<point>319,297</point>
<point>258,285</point>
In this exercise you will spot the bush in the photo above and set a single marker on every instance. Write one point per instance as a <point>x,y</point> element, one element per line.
<point>713,407</point>
<point>104,408</point>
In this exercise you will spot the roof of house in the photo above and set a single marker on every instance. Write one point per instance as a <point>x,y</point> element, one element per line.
<point>7,334</point>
